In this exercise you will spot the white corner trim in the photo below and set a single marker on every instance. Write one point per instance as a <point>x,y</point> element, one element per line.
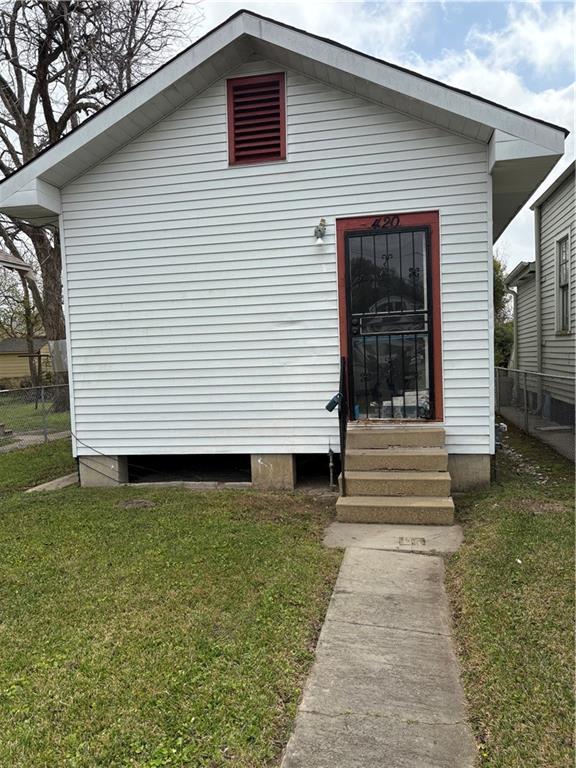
<point>491,321</point>
<point>65,289</point>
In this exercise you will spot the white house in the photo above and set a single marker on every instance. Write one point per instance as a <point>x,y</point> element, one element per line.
<point>210,312</point>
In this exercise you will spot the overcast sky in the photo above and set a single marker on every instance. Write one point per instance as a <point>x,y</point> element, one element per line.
<point>520,54</point>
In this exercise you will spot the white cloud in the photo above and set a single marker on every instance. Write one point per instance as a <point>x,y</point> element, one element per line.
<point>495,76</point>
<point>542,39</point>
<point>480,76</point>
<point>385,29</point>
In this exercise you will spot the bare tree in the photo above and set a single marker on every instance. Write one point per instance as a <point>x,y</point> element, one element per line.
<point>13,307</point>
<point>61,61</point>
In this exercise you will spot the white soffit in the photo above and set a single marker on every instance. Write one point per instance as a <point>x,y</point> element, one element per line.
<point>227,47</point>
<point>518,168</point>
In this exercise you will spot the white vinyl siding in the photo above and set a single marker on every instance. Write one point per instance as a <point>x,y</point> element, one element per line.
<point>558,219</point>
<point>203,317</point>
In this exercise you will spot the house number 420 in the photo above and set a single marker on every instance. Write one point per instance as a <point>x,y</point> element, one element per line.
<point>385,222</point>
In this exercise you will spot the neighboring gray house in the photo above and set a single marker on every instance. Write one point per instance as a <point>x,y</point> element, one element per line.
<point>545,304</point>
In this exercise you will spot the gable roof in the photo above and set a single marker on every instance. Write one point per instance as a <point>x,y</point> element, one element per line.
<point>520,272</point>
<point>17,264</point>
<point>32,192</point>
<point>311,35</point>
<point>564,176</point>
<point>19,346</point>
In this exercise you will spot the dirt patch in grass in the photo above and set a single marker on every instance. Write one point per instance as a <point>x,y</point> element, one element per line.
<point>274,507</point>
<point>541,507</point>
<point>511,587</point>
<point>137,504</point>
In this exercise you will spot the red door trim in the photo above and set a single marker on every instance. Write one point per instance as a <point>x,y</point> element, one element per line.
<point>429,219</point>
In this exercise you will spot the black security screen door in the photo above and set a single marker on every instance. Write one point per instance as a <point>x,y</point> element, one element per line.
<point>389,324</point>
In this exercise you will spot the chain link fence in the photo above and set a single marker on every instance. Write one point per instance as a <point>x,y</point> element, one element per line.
<point>540,404</point>
<point>33,415</point>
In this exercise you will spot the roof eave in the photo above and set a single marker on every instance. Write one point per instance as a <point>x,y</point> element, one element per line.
<point>412,85</point>
<point>520,273</point>
<point>518,168</point>
<point>38,203</point>
<point>223,49</point>
<point>564,176</point>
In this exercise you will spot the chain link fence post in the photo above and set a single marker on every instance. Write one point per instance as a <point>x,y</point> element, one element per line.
<point>526,421</point>
<point>43,411</point>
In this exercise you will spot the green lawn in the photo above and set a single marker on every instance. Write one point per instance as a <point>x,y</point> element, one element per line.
<point>26,417</point>
<point>145,628</point>
<point>512,590</point>
<point>31,466</point>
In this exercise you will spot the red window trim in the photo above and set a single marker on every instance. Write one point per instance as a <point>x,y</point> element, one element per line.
<point>429,219</point>
<point>281,79</point>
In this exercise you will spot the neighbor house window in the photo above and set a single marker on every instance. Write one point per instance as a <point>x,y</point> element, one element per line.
<point>256,119</point>
<point>563,285</point>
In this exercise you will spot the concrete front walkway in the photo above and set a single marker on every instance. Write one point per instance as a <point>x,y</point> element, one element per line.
<point>384,691</point>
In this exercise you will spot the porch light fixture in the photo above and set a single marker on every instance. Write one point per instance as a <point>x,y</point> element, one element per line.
<point>320,232</point>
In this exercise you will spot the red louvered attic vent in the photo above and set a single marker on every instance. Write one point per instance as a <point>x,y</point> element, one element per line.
<point>256,119</point>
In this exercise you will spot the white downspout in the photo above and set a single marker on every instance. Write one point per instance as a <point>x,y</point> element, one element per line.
<point>514,360</point>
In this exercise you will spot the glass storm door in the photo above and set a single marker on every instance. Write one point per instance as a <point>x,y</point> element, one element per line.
<point>389,324</point>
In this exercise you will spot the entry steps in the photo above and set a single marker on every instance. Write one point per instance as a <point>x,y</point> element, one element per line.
<point>396,474</point>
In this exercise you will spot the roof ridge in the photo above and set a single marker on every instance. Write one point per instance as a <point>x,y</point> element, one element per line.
<point>400,68</point>
<point>256,15</point>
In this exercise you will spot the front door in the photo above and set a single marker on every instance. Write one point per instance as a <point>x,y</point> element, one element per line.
<point>388,276</point>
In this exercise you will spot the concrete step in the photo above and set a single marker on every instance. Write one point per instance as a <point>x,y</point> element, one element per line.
<point>397,483</point>
<point>385,437</point>
<point>406,510</point>
<point>395,457</point>
<point>5,432</point>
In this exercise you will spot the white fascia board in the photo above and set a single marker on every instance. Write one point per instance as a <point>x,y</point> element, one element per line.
<point>37,202</point>
<point>410,85</point>
<point>124,106</point>
<point>504,146</point>
<point>520,272</point>
<point>517,169</point>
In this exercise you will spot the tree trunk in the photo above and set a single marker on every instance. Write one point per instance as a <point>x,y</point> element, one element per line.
<point>50,259</point>
<point>29,333</point>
